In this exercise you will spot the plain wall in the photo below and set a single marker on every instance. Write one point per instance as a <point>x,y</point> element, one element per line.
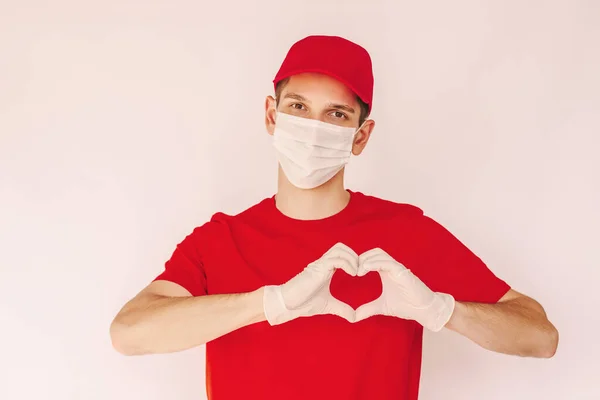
<point>125,124</point>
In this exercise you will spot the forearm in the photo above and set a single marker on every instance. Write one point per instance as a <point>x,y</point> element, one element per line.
<point>168,324</point>
<point>517,327</point>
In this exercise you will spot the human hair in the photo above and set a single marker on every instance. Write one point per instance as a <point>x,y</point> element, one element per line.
<point>364,107</point>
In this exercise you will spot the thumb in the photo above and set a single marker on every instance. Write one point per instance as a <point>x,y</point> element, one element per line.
<point>370,309</point>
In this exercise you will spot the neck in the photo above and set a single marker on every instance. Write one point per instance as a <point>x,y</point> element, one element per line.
<point>311,204</point>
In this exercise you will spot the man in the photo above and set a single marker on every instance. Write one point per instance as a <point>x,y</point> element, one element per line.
<point>320,292</point>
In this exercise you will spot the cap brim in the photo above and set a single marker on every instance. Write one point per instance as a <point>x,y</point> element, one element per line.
<point>324,72</point>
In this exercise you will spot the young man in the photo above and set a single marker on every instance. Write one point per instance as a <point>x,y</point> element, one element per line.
<point>320,292</point>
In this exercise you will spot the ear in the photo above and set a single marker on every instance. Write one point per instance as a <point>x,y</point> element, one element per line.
<point>270,110</point>
<point>362,137</point>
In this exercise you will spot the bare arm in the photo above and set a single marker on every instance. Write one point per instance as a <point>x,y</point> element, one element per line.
<point>165,318</point>
<point>516,325</point>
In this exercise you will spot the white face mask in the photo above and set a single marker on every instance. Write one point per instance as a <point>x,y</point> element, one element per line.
<point>310,151</point>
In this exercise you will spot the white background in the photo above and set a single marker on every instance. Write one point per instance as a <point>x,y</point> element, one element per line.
<point>124,124</point>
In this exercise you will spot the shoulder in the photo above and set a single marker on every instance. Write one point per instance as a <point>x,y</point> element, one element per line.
<point>377,207</point>
<point>409,216</point>
<point>222,223</point>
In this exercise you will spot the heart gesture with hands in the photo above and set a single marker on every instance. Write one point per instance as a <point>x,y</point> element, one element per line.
<point>404,295</point>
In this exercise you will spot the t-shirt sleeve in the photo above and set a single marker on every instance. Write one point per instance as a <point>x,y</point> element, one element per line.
<point>185,266</point>
<point>453,268</point>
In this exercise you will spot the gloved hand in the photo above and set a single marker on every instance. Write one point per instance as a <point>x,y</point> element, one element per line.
<point>307,293</point>
<point>404,295</point>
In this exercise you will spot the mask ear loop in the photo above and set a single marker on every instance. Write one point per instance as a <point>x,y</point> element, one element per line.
<point>359,128</point>
<point>355,133</point>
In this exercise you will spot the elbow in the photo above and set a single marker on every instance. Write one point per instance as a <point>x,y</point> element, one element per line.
<point>551,342</point>
<point>122,337</point>
<point>547,337</point>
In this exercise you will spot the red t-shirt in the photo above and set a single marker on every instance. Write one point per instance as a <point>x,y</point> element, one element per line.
<point>323,357</point>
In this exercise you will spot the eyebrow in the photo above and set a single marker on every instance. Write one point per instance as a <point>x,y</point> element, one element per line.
<point>298,97</point>
<point>343,107</point>
<point>294,96</point>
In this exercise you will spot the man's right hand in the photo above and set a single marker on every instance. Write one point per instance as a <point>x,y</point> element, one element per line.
<point>139,328</point>
<point>307,293</point>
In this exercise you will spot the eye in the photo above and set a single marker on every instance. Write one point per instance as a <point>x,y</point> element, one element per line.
<point>297,106</point>
<point>339,114</point>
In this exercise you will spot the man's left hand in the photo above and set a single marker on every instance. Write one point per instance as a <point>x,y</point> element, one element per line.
<point>404,295</point>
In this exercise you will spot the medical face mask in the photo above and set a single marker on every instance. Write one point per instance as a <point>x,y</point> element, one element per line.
<point>310,151</point>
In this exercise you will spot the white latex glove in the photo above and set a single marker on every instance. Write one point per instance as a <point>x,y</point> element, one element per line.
<point>404,295</point>
<point>307,293</point>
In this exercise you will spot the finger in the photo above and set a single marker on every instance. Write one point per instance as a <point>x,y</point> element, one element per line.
<point>380,266</point>
<point>368,310</point>
<point>375,257</point>
<point>340,257</point>
<point>345,252</point>
<point>378,261</point>
<point>376,252</point>
<point>366,261</point>
<point>340,263</point>
<point>364,269</point>
<point>327,266</point>
<point>342,247</point>
<point>351,262</point>
<point>339,308</point>
<point>376,265</point>
<point>363,258</point>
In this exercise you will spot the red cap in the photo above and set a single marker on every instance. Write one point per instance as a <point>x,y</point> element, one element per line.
<point>334,56</point>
